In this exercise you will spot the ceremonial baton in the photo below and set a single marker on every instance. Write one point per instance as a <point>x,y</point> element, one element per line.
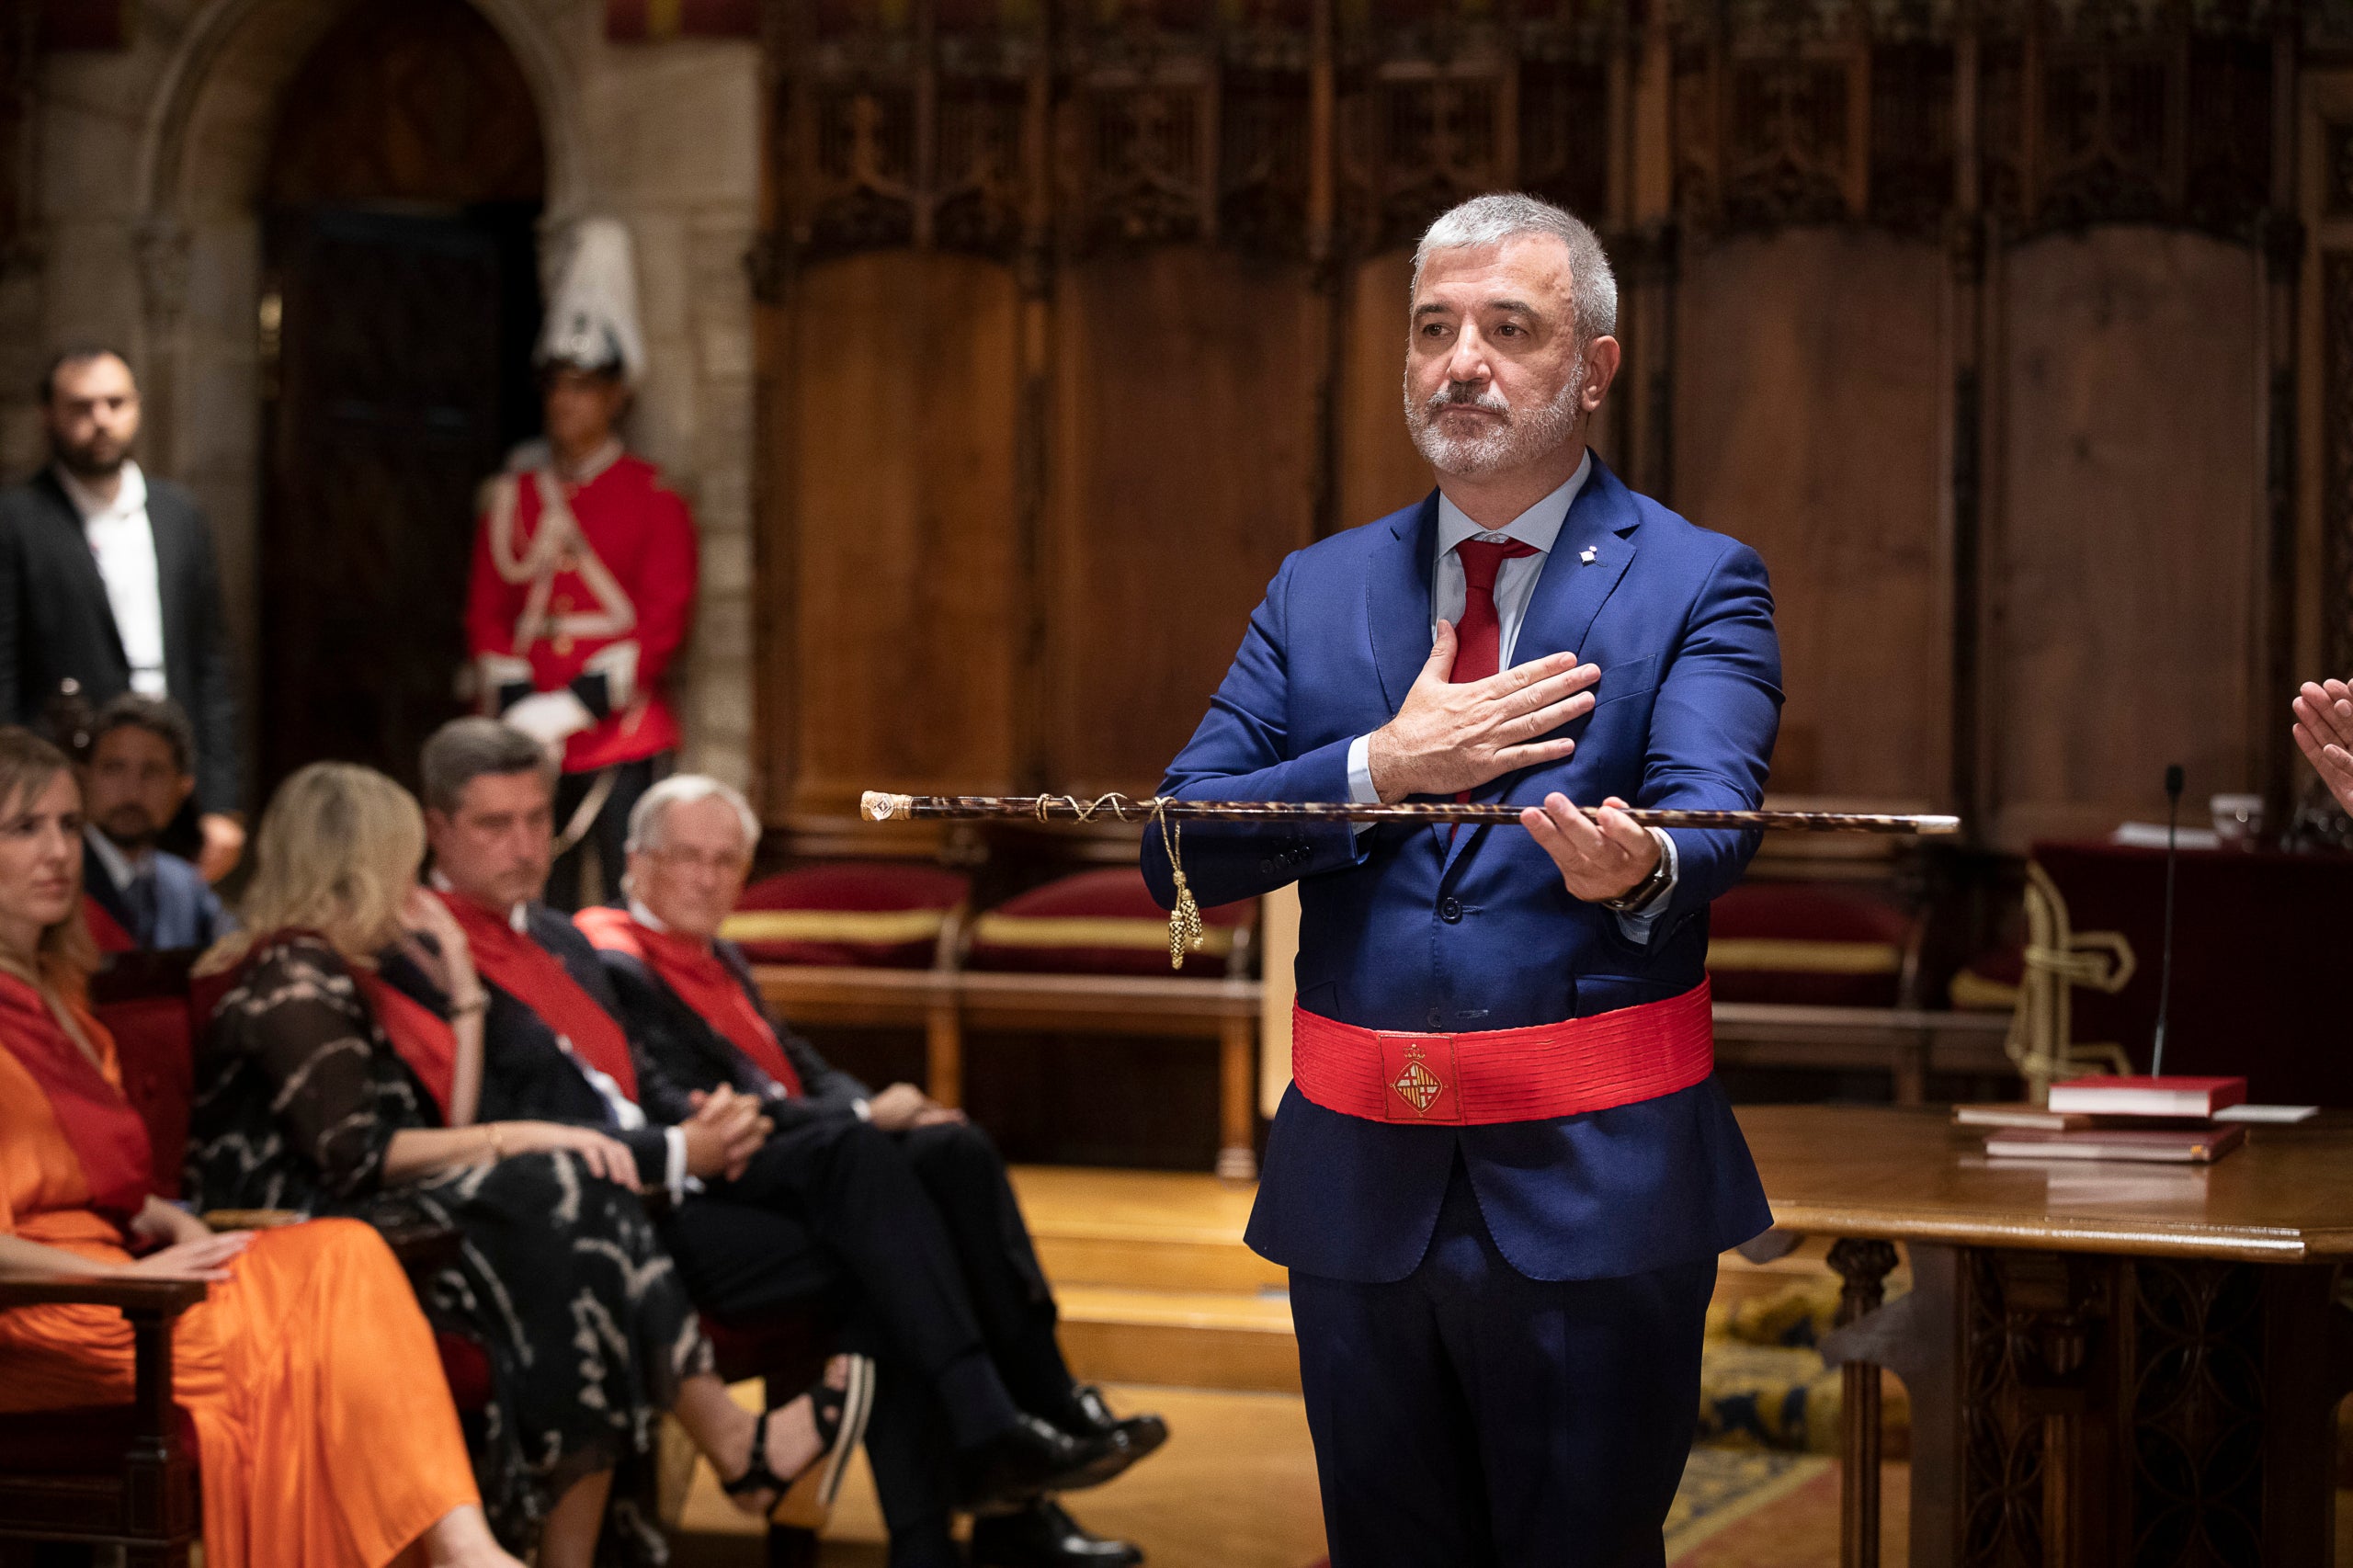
<point>878,806</point>
<point>1185,919</point>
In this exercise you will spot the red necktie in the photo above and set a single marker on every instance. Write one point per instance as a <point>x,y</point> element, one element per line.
<point>1478,652</point>
<point>1478,649</point>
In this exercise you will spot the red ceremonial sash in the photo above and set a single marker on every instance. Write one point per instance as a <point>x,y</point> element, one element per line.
<point>1539,1074</point>
<point>422,1037</point>
<point>105,929</point>
<point>509,960</point>
<point>107,1135</point>
<point>703,982</point>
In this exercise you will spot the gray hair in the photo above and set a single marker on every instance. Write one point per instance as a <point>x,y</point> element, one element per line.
<point>466,749</point>
<point>681,790</point>
<point>1491,220</point>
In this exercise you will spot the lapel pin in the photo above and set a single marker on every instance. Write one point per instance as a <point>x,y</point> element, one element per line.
<point>1585,555</point>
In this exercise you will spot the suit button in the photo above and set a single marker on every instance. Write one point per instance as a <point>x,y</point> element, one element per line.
<point>1266,866</point>
<point>1450,910</point>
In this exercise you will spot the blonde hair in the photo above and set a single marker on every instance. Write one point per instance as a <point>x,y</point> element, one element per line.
<point>336,853</point>
<point>65,954</point>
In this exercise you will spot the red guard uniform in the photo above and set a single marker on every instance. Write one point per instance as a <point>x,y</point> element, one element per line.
<point>590,587</point>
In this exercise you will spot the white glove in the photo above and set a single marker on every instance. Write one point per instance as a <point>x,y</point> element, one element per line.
<point>549,718</point>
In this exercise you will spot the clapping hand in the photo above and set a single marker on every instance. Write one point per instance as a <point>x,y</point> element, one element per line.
<point>2324,734</point>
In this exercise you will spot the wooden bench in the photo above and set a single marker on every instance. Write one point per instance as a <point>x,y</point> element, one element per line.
<point>951,1001</point>
<point>1907,1043</point>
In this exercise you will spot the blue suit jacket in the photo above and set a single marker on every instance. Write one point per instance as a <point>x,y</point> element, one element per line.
<point>188,911</point>
<point>1403,929</point>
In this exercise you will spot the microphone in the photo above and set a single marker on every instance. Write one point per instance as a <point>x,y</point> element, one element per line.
<point>2174,779</point>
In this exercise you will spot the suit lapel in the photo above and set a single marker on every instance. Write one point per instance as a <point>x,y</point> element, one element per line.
<point>74,545</point>
<point>1397,598</point>
<point>1569,595</point>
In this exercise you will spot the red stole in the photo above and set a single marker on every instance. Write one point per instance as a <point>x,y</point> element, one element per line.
<point>107,1135</point>
<point>702,982</point>
<point>420,1036</point>
<point>105,929</point>
<point>509,960</point>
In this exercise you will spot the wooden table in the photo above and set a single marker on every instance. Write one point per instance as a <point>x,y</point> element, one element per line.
<point>2107,1363</point>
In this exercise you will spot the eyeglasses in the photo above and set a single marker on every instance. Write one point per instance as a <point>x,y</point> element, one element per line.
<point>697,860</point>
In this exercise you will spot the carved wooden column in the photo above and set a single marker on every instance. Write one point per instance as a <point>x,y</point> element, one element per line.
<point>1864,1265</point>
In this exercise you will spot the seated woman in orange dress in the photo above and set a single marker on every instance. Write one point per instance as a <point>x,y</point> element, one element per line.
<point>325,1430</point>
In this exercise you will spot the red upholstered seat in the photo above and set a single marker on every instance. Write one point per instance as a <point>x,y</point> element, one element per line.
<point>1098,923</point>
<point>154,1037</point>
<point>1990,982</point>
<point>1808,944</point>
<point>86,1440</point>
<point>871,913</point>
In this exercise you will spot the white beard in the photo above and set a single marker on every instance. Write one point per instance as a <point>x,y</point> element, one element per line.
<point>1516,439</point>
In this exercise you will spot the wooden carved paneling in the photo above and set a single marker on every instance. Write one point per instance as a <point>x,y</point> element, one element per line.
<point>2197,1411</point>
<point>1182,474</point>
<point>902,485</point>
<point>2133,535</point>
<point>1378,469</point>
<point>1793,112</point>
<point>1811,336</point>
<point>2117,111</point>
<point>2336,437</point>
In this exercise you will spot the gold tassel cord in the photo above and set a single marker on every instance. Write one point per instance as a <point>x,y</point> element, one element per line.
<point>1185,918</point>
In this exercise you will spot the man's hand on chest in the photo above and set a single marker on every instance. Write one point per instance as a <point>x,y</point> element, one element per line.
<point>1448,738</point>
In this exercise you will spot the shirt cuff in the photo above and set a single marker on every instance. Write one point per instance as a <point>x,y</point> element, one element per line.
<point>674,1173</point>
<point>1360,789</point>
<point>1639,924</point>
<point>862,1109</point>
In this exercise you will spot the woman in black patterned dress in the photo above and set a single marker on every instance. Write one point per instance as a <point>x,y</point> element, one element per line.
<point>317,1094</point>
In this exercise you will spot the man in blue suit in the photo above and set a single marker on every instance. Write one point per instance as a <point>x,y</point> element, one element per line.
<point>1504,1168</point>
<point>141,771</point>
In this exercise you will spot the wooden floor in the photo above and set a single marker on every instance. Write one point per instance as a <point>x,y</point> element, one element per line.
<point>1163,1302</point>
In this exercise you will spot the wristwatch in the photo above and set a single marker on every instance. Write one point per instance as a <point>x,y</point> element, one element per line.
<point>1639,897</point>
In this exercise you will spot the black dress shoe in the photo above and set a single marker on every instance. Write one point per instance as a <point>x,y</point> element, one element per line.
<point>1044,1536</point>
<point>1029,1459</point>
<point>1130,1439</point>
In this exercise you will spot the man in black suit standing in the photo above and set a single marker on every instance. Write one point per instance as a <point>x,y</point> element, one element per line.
<point>108,580</point>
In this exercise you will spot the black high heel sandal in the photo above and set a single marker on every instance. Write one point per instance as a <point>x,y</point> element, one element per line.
<point>839,1416</point>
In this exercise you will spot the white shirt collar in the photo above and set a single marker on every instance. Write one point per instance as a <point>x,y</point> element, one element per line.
<point>1539,525</point>
<point>518,919</point>
<point>129,496</point>
<point>645,916</point>
<point>120,867</point>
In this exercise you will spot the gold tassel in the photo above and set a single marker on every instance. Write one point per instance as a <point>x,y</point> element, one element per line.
<point>1183,920</point>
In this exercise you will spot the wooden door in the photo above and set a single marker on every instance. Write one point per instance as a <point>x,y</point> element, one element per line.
<point>399,308</point>
<point>386,415</point>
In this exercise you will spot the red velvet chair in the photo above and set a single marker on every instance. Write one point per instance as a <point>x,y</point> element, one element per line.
<point>1825,974</point>
<point>864,944</point>
<point>1088,953</point>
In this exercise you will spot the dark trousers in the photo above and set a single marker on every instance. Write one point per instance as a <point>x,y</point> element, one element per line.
<point>1469,1416</point>
<point>606,836</point>
<point>915,1241</point>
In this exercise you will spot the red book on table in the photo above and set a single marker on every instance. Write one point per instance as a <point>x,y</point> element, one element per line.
<point>2141,1096</point>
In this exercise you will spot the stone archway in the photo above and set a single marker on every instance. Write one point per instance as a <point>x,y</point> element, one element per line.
<point>197,241</point>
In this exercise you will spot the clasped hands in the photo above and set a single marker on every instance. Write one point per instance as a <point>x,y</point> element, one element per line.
<point>1448,738</point>
<point>2324,733</point>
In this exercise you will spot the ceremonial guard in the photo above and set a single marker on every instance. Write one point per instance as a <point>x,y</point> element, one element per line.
<point>584,571</point>
<point>1505,1170</point>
